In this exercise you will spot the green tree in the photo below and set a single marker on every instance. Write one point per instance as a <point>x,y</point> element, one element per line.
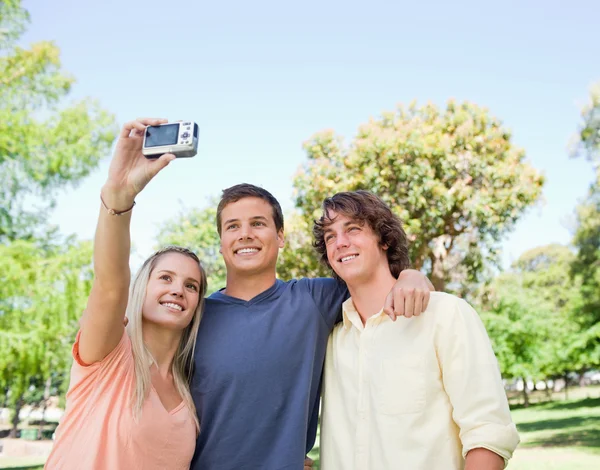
<point>530,313</point>
<point>586,266</point>
<point>43,291</point>
<point>44,145</point>
<point>589,131</point>
<point>197,230</point>
<point>453,176</point>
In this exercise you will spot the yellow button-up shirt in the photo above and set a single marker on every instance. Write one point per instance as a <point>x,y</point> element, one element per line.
<point>414,394</point>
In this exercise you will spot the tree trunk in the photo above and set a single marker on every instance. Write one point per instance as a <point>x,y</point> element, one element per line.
<point>566,379</point>
<point>525,394</point>
<point>582,378</point>
<point>438,278</point>
<point>5,398</point>
<point>44,407</point>
<point>15,419</point>
<point>548,391</point>
<point>440,251</point>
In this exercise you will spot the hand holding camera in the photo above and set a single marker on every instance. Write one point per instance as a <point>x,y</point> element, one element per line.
<point>179,138</point>
<point>145,146</point>
<point>130,171</point>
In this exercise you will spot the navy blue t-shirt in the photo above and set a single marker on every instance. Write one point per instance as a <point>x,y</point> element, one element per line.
<point>257,379</point>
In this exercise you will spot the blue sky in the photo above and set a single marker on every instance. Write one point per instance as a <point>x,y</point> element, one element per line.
<point>261,77</point>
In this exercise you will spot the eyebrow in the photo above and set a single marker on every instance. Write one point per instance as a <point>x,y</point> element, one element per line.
<point>257,217</point>
<point>349,222</point>
<point>168,271</point>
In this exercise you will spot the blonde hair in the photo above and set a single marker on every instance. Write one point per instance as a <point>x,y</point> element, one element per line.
<point>183,362</point>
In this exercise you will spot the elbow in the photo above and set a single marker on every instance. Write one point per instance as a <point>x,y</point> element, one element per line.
<point>500,439</point>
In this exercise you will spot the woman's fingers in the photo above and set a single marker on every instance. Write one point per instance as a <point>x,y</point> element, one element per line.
<point>139,126</point>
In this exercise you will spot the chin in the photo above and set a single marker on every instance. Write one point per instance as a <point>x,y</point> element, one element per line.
<point>168,323</point>
<point>351,277</point>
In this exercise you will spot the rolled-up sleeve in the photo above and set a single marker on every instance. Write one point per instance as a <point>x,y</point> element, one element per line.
<point>472,380</point>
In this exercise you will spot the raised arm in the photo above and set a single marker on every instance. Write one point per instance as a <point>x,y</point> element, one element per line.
<point>129,172</point>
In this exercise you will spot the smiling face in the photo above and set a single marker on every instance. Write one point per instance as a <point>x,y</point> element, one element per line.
<point>250,241</point>
<point>173,291</point>
<point>354,251</point>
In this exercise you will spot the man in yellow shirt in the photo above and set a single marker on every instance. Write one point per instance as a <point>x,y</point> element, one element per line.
<point>421,393</point>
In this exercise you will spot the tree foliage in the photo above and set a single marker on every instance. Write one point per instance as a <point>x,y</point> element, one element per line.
<point>43,292</point>
<point>453,176</point>
<point>44,145</point>
<point>586,266</point>
<point>589,131</point>
<point>531,313</point>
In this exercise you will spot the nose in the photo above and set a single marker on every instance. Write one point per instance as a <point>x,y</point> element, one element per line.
<point>177,289</point>
<point>341,240</point>
<point>245,232</point>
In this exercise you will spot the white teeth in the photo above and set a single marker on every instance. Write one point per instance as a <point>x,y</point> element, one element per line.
<point>171,305</point>
<point>348,258</point>
<point>247,250</point>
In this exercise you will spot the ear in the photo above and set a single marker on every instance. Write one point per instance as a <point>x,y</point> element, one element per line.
<point>281,238</point>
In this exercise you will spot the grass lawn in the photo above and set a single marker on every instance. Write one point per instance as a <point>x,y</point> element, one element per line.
<point>562,435</point>
<point>22,463</point>
<point>559,435</point>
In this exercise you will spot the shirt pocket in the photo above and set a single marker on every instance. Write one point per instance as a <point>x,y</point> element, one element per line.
<point>400,387</point>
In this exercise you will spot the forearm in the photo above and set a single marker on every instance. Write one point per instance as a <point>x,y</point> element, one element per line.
<point>483,459</point>
<point>102,321</point>
<point>112,243</point>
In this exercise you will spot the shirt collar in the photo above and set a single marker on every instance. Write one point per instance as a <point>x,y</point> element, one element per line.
<point>350,316</point>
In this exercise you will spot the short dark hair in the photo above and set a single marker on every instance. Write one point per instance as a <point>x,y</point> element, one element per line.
<point>244,190</point>
<point>365,207</point>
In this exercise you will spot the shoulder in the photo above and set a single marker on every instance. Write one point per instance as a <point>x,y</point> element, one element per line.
<point>439,300</point>
<point>121,351</point>
<point>315,287</point>
<point>315,282</point>
<point>114,367</point>
<point>447,306</point>
<point>451,314</point>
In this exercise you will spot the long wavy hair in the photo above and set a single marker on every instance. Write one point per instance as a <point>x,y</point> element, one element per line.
<point>183,361</point>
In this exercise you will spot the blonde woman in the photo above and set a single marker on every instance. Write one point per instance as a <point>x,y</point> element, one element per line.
<point>129,405</point>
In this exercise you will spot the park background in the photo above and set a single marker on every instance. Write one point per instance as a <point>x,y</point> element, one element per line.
<point>479,124</point>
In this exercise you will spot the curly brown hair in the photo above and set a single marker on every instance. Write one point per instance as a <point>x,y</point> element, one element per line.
<point>365,208</point>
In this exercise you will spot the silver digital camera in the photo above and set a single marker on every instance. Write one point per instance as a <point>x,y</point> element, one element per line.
<point>178,138</point>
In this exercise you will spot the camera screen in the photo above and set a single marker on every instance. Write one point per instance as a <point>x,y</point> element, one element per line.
<point>162,135</point>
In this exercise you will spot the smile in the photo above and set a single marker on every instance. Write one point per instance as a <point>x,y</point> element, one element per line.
<point>347,258</point>
<point>246,251</point>
<point>173,306</point>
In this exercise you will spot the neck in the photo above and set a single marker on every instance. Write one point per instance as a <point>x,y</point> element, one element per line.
<point>369,297</point>
<point>248,286</point>
<point>162,344</point>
